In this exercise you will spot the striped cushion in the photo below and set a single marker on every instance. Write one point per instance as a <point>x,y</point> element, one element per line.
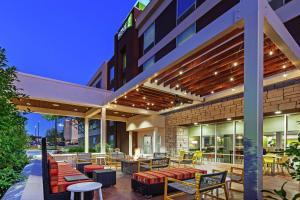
<point>155,177</point>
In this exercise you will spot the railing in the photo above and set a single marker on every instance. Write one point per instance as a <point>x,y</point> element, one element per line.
<point>275,4</point>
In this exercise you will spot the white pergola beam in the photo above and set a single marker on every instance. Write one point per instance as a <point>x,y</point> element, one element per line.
<point>169,90</point>
<point>278,33</point>
<point>92,112</point>
<point>128,109</point>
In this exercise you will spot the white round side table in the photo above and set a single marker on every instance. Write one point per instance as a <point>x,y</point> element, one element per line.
<point>85,187</point>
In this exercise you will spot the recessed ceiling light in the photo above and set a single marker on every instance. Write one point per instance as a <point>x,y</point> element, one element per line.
<point>116,112</point>
<point>278,112</point>
<point>123,115</point>
<point>233,89</point>
<point>125,97</point>
<point>75,109</point>
<point>235,64</point>
<point>177,86</point>
<point>180,72</point>
<point>212,92</point>
<point>156,81</point>
<point>152,104</point>
<point>147,108</point>
<point>55,105</point>
<point>28,104</point>
<point>216,73</point>
<point>285,75</point>
<point>116,101</point>
<point>231,79</point>
<point>133,105</point>
<point>172,102</point>
<point>144,97</point>
<point>271,53</point>
<point>184,93</point>
<point>284,66</point>
<point>195,123</point>
<point>228,119</point>
<point>137,89</point>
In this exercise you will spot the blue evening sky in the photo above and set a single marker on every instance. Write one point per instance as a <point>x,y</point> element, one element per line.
<point>60,39</point>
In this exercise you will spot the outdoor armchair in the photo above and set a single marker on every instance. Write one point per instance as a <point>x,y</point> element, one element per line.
<point>197,187</point>
<point>236,176</point>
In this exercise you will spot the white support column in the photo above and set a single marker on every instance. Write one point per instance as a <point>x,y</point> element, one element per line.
<point>253,11</point>
<point>103,130</point>
<point>285,131</point>
<point>201,137</point>
<point>154,139</point>
<point>233,141</point>
<point>86,135</point>
<point>130,143</point>
<point>216,144</point>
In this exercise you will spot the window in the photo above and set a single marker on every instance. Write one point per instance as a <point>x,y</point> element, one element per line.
<point>184,8</point>
<point>112,73</point>
<point>148,63</point>
<point>185,35</point>
<point>149,38</point>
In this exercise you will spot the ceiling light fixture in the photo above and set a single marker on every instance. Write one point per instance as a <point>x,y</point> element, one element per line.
<point>235,64</point>
<point>133,105</point>
<point>177,86</point>
<point>148,104</point>
<point>271,53</point>
<point>125,97</point>
<point>152,104</point>
<point>285,75</point>
<point>172,102</point>
<point>147,108</point>
<point>55,105</point>
<point>278,112</point>
<point>228,119</point>
<point>216,73</point>
<point>212,92</point>
<point>180,72</point>
<point>28,104</point>
<point>195,123</point>
<point>284,66</point>
<point>156,81</point>
<point>144,97</point>
<point>116,112</point>
<point>233,89</point>
<point>75,109</point>
<point>231,79</point>
<point>137,89</point>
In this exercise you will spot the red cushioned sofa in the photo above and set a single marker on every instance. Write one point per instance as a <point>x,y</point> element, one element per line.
<point>54,183</point>
<point>151,183</point>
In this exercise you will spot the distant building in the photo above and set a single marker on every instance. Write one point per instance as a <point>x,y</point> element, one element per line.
<point>71,131</point>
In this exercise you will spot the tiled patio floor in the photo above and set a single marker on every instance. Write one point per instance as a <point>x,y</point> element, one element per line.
<point>122,190</point>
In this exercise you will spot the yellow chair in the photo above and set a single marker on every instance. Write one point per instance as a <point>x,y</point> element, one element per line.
<point>198,156</point>
<point>269,163</point>
<point>281,162</point>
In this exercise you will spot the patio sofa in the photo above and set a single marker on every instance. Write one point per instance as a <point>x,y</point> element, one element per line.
<point>151,183</point>
<point>54,183</point>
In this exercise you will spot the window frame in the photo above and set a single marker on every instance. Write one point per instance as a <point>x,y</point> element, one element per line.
<point>184,12</point>
<point>182,42</point>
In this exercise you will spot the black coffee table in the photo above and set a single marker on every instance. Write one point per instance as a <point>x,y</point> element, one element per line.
<point>107,177</point>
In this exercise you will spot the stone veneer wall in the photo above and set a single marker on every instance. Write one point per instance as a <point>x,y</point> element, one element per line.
<point>283,96</point>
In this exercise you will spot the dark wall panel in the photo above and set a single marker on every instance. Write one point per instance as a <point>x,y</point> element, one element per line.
<point>165,22</point>
<point>294,28</point>
<point>165,50</point>
<point>214,13</point>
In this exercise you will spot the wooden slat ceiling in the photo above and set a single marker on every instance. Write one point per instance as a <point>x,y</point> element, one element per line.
<point>216,67</point>
<point>27,102</point>
<point>150,99</point>
<point>220,66</point>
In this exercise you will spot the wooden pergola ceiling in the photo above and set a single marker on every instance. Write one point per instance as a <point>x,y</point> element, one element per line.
<point>150,99</point>
<point>220,66</point>
<point>216,67</point>
<point>27,102</point>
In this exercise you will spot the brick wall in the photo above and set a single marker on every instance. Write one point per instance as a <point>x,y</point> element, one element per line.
<point>283,96</point>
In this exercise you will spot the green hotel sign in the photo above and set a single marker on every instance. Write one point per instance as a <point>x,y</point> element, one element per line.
<point>127,24</point>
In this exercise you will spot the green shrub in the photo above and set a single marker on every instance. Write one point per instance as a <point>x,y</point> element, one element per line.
<point>13,138</point>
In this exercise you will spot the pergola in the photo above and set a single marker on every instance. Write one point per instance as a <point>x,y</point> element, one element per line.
<point>243,50</point>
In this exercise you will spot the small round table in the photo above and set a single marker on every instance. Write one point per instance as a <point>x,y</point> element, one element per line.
<point>85,187</point>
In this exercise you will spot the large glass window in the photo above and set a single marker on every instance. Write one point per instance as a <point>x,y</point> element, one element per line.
<point>185,35</point>
<point>149,38</point>
<point>225,142</point>
<point>293,128</point>
<point>194,138</point>
<point>208,141</point>
<point>148,63</point>
<point>273,134</point>
<point>239,142</point>
<point>184,8</point>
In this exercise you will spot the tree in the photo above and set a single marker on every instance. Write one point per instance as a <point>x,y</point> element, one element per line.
<point>13,138</point>
<point>55,119</point>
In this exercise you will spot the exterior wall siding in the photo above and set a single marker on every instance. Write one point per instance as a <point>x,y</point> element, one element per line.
<point>284,97</point>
